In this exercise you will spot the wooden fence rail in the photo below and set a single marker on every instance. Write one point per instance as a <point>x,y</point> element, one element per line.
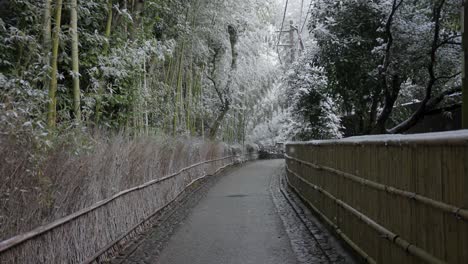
<point>83,236</point>
<point>394,199</point>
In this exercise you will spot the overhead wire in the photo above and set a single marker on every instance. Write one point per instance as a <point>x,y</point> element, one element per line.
<point>302,11</point>
<point>307,16</point>
<point>299,32</point>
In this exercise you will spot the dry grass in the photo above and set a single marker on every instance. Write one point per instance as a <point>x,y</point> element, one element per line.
<point>37,186</point>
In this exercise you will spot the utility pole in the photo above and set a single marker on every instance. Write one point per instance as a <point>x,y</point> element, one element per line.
<point>291,41</point>
<point>465,59</point>
<point>291,44</point>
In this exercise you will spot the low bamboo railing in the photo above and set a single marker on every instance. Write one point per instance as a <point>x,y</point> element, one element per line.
<point>87,234</point>
<point>394,199</point>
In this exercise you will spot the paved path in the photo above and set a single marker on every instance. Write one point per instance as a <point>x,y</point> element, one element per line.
<point>247,215</point>
<point>235,223</point>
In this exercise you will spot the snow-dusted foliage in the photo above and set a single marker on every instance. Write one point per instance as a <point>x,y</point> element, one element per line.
<point>179,67</point>
<point>309,100</point>
<point>364,61</point>
<point>166,67</point>
<point>304,110</point>
<point>373,50</point>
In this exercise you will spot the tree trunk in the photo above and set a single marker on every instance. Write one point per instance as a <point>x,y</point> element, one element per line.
<point>52,114</point>
<point>233,37</point>
<point>215,127</point>
<point>373,110</point>
<point>420,112</point>
<point>391,96</point>
<point>75,60</point>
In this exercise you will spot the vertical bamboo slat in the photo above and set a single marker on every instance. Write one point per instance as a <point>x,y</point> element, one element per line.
<point>397,171</point>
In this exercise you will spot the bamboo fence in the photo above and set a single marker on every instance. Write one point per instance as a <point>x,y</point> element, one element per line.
<point>87,234</point>
<point>399,199</point>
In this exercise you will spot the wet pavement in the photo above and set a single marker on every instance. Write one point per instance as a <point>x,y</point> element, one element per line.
<point>244,216</point>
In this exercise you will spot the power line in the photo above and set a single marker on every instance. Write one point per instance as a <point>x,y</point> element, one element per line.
<point>299,33</point>
<point>302,11</point>
<point>307,16</point>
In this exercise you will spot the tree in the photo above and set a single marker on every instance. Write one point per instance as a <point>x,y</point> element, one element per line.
<point>310,102</point>
<point>139,64</point>
<point>223,94</point>
<point>347,33</point>
<point>402,44</point>
<point>435,75</point>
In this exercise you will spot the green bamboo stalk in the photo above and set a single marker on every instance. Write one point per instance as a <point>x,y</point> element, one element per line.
<point>108,27</point>
<point>47,38</point>
<point>167,74</point>
<point>178,96</point>
<point>195,102</point>
<point>52,114</point>
<point>188,99</point>
<point>105,50</point>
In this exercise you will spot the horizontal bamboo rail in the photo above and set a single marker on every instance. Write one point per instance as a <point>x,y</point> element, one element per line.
<point>385,233</point>
<point>26,239</point>
<point>393,199</point>
<point>336,228</point>
<point>113,243</point>
<point>456,211</point>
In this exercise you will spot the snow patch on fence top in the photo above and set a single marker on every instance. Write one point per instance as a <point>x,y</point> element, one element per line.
<point>452,137</point>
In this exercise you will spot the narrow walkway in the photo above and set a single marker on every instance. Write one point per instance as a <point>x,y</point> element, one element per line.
<point>245,216</point>
<point>235,223</point>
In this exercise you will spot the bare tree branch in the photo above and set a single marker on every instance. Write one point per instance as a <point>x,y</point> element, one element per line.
<point>448,77</point>
<point>449,41</point>
<point>390,95</point>
<point>410,122</point>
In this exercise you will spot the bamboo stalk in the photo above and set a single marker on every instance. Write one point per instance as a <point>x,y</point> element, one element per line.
<point>52,113</point>
<point>105,51</point>
<point>188,99</point>
<point>47,38</point>
<point>178,96</point>
<point>75,60</point>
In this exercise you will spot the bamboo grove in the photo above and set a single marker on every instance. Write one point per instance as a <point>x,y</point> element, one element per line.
<point>175,67</point>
